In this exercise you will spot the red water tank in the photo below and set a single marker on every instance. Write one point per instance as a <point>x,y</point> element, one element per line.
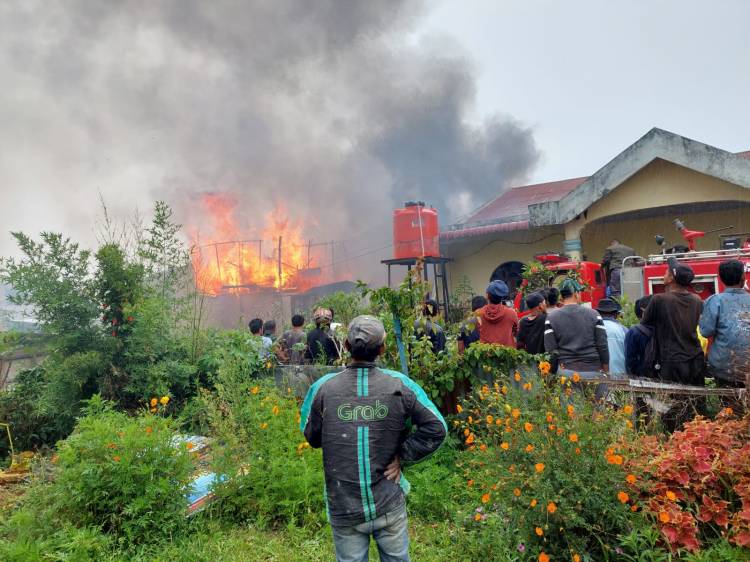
<point>415,231</point>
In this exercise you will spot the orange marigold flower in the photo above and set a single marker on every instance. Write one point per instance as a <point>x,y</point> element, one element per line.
<point>255,390</point>
<point>559,430</point>
<point>571,410</point>
<point>516,492</point>
<point>477,517</point>
<point>189,445</point>
<point>545,367</point>
<point>111,446</point>
<point>149,430</point>
<point>517,376</point>
<point>528,427</point>
<point>539,532</point>
<point>153,402</point>
<point>576,378</point>
<point>466,432</point>
<point>486,389</point>
<point>543,557</point>
<point>551,507</point>
<point>539,467</point>
<point>615,459</point>
<point>504,389</point>
<point>630,478</point>
<point>471,420</point>
<point>264,425</point>
<point>550,417</point>
<point>459,409</point>
<point>490,419</point>
<point>623,497</point>
<point>153,410</point>
<point>629,424</point>
<point>504,445</point>
<point>578,450</point>
<point>529,448</point>
<point>573,437</point>
<point>470,439</point>
<point>275,410</point>
<point>485,498</point>
<point>516,413</point>
<point>576,558</point>
<point>610,451</point>
<point>671,496</point>
<point>482,447</point>
<point>527,386</point>
<point>633,508</point>
<point>628,409</point>
<point>470,483</point>
<point>498,421</point>
<point>116,458</point>
<point>533,503</point>
<point>551,427</point>
<point>664,517</point>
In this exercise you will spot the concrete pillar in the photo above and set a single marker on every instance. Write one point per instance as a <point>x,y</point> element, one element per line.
<point>572,244</point>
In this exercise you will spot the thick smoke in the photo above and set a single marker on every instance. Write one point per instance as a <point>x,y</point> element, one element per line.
<point>333,107</point>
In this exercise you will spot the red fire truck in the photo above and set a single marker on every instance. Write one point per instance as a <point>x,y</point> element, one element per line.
<point>644,275</point>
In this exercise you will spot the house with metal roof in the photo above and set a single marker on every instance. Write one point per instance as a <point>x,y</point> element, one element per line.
<point>638,194</point>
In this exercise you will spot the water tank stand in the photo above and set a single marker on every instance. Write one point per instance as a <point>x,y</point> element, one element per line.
<point>439,266</point>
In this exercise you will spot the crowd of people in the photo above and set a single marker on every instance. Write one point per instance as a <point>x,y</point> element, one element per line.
<point>679,338</point>
<point>295,346</point>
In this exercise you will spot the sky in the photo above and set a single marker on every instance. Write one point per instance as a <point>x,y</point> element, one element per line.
<point>343,110</point>
<point>591,77</point>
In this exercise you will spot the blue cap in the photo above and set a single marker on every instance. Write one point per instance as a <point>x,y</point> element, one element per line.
<point>498,289</point>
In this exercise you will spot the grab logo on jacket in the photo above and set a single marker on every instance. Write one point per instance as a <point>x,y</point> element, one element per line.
<point>346,412</point>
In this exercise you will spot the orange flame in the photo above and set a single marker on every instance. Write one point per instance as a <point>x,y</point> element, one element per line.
<point>233,259</point>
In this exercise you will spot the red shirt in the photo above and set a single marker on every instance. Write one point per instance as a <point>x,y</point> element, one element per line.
<point>499,325</point>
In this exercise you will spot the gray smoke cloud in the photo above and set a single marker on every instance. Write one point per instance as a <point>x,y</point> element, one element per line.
<point>336,108</point>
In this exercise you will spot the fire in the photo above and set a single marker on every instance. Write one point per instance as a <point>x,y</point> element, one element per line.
<point>229,258</point>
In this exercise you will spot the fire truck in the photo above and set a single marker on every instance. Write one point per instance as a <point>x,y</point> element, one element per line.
<point>643,276</point>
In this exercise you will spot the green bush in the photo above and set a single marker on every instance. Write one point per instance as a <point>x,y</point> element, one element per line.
<point>122,475</point>
<point>272,476</point>
<point>542,467</point>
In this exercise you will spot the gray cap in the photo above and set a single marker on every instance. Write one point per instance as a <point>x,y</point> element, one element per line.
<point>365,331</point>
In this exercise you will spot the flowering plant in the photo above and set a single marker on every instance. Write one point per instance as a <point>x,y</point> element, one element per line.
<point>696,485</point>
<point>541,461</point>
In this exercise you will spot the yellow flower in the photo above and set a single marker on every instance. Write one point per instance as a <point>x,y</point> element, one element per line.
<point>268,364</point>
<point>629,424</point>
<point>623,497</point>
<point>485,498</point>
<point>504,389</point>
<point>504,445</point>
<point>255,390</point>
<point>671,496</point>
<point>528,427</point>
<point>527,386</point>
<point>627,409</point>
<point>551,507</point>
<point>459,409</point>
<point>164,400</point>
<point>630,478</point>
<point>563,379</point>
<point>533,503</point>
<point>517,376</point>
<point>573,438</point>
<point>153,410</point>
<point>275,410</point>
<point>486,389</point>
<point>539,532</point>
<point>539,467</point>
<point>490,419</point>
<point>264,425</point>
<point>544,367</point>
<point>154,401</point>
<point>477,517</point>
<point>576,378</point>
<point>471,420</point>
<point>516,413</point>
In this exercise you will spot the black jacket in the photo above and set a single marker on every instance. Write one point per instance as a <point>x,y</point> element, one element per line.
<point>360,418</point>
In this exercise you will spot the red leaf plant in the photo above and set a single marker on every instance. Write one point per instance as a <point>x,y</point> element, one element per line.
<point>696,484</point>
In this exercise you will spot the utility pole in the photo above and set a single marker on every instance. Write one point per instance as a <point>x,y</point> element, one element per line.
<point>279,264</point>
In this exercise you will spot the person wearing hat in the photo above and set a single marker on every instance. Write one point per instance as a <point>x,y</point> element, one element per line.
<point>575,336</point>
<point>531,327</point>
<point>498,323</point>
<point>369,422</point>
<point>609,310</point>
<point>321,346</point>
<point>674,316</point>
